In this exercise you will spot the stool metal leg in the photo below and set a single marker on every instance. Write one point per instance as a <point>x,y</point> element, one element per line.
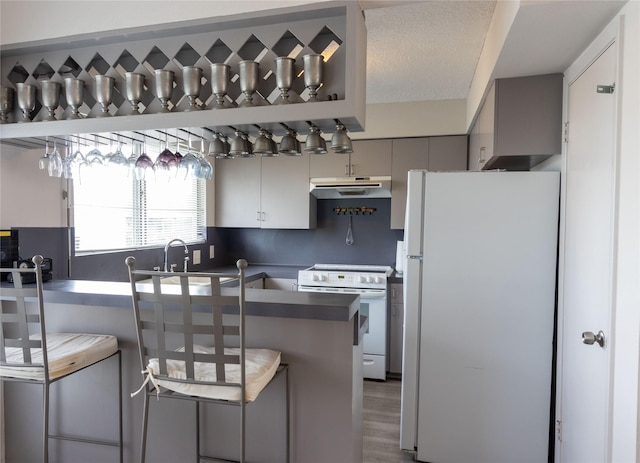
<point>120,439</point>
<point>45,422</point>
<point>145,423</point>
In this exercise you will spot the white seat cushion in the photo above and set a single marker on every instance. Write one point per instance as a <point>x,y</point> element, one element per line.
<point>66,352</point>
<point>261,366</point>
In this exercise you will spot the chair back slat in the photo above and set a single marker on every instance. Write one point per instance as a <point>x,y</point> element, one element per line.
<point>22,316</point>
<point>173,319</point>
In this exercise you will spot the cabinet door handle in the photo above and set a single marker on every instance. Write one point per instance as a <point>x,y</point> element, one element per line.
<point>264,217</point>
<point>352,169</point>
<point>258,216</point>
<point>393,293</point>
<point>346,169</point>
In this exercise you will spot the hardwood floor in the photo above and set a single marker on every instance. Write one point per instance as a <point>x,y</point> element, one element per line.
<point>382,423</point>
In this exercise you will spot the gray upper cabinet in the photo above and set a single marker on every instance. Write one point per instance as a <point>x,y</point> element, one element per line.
<point>369,158</point>
<point>519,125</point>
<point>433,153</point>
<point>285,198</point>
<point>264,193</point>
<point>237,184</point>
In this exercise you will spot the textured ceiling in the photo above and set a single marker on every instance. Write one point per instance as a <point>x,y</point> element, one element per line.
<point>423,51</point>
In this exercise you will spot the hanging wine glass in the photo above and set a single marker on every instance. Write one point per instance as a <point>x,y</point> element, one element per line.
<point>67,163</point>
<point>118,160</point>
<point>43,162</point>
<point>144,163</point>
<point>206,169</point>
<point>166,164</point>
<point>77,161</point>
<point>189,164</point>
<point>94,157</point>
<point>55,162</point>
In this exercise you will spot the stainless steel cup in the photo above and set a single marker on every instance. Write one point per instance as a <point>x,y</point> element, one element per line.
<point>192,83</point>
<point>312,65</point>
<point>219,82</point>
<point>104,93</point>
<point>164,87</point>
<point>50,97</point>
<point>6,103</point>
<point>26,100</point>
<point>248,71</point>
<point>284,76</point>
<point>134,86</point>
<point>74,93</point>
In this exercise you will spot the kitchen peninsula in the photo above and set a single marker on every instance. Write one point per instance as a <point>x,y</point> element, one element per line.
<point>319,337</point>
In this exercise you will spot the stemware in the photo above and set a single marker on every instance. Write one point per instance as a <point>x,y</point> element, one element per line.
<point>340,141</point>
<point>117,159</point>
<point>192,83</point>
<point>190,164</point>
<point>43,162</point>
<point>133,86</point>
<point>263,145</point>
<point>284,77</point>
<point>289,144</point>
<point>217,147</point>
<point>50,97</point>
<point>6,103</point>
<point>143,163</point>
<point>219,82</point>
<point>74,93</point>
<point>26,100</point>
<point>248,80</point>
<point>166,164</point>
<point>315,144</point>
<point>55,162</point>
<point>95,158</point>
<point>206,169</point>
<point>240,145</point>
<point>164,87</point>
<point>104,93</point>
<point>312,65</point>
<point>76,163</point>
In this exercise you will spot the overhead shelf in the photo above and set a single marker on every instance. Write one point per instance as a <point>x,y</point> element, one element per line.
<point>334,29</point>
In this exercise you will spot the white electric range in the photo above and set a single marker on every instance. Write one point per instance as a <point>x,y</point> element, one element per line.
<point>370,283</point>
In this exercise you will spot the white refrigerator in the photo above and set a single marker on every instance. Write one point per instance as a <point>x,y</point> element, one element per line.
<point>479,299</point>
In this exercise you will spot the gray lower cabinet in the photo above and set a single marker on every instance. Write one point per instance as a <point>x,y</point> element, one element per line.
<point>396,325</point>
<point>264,192</point>
<point>369,158</point>
<point>283,284</point>
<point>448,153</point>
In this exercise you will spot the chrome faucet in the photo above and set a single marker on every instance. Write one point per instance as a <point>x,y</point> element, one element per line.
<point>166,254</point>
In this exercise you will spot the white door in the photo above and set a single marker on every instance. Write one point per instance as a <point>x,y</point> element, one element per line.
<point>587,276</point>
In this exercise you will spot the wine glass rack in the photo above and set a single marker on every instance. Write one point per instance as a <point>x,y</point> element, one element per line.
<point>336,30</point>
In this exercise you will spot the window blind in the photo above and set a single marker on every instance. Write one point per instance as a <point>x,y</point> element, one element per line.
<point>114,211</point>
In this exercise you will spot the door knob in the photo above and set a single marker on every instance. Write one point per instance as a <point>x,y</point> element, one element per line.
<point>589,338</point>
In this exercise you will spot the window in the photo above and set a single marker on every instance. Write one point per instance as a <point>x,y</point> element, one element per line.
<point>114,211</point>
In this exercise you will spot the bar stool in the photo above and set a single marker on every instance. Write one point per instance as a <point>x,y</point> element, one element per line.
<point>28,354</point>
<point>190,349</point>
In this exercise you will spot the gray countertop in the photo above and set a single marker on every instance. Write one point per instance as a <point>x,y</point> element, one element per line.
<point>259,302</point>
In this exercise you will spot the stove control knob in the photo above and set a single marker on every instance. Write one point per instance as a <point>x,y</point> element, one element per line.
<point>369,279</point>
<point>363,279</point>
<point>315,277</point>
<point>322,277</point>
<point>379,280</point>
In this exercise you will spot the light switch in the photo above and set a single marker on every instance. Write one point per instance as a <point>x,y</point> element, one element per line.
<point>211,252</point>
<point>196,256</point>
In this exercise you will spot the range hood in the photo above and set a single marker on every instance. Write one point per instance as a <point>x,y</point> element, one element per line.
<point>351,187</point>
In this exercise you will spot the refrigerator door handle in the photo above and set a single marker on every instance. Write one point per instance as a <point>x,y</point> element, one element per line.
<point>417,257</point>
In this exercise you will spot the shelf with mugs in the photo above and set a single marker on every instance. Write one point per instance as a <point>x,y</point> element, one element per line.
<point>170,61</point>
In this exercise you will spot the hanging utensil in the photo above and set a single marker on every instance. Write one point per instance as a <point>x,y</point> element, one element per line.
<point>349,239</point>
